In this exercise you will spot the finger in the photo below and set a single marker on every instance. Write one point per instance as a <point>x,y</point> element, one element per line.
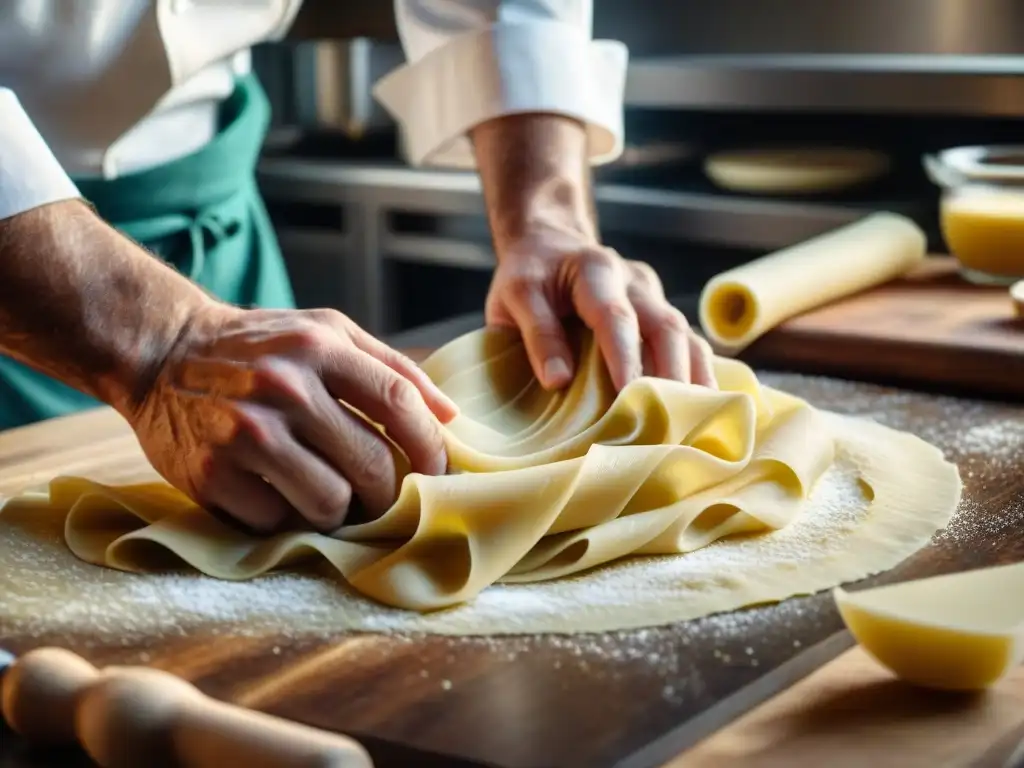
<point>601,301</point>
<point>543,335</point>
<point>247,500</point>
<point>647,358</point>
<point>356,449</point>
<point>702,362</point>
<point>437,401</point>
<point>667,334</point>
<point>391,400</point>
<point>265,447</point>
<point>643,275</point>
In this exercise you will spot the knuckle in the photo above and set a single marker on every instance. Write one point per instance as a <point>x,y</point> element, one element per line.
<point>432,438</point>
<point>400,395</point>
<point>278,380</point>
<point>396,359</point>
<point>324,315</point>
<point>523,286</point>
<point>600,257</point>
<point>642,269</point>
<point>670,319</point>
<point>618,311</point>
<point>254,426</point>
<point>645,273</point>
<point>309,338</point>
<point>374,466</point>
<point>546,335</point>
<point>328,511</point>
<point>331,324</point>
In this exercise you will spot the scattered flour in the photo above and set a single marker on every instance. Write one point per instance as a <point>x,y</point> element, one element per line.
<point>996,441</point>
<point>987,446</point>
<point>44,590</point>
<point>47,589</point>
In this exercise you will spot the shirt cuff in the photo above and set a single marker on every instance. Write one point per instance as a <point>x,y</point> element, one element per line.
<point>30,175</point>
<point>538,66</point>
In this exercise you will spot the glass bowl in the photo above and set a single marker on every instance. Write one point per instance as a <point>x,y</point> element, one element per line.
<point>982,210</point>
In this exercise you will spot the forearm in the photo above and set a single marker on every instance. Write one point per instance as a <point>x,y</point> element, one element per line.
<point>535,174</point>
<point>84,304</point>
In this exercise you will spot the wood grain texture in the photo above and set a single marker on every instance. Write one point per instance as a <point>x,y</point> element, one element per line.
<point>633,698</point>
<point>853,713</point>
<point>931,329</point>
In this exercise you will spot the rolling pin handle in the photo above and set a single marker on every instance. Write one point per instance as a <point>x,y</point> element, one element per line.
<point>131,716</point>
<point>40,694</point>
<point>134,715</point>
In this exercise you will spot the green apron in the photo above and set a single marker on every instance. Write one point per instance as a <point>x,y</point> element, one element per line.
<point>203,215</point>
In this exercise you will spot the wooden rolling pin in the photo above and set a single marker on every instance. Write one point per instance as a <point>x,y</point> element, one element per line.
<point>126,717</point>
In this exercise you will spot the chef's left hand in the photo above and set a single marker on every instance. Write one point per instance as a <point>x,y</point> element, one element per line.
<point>554,272</point>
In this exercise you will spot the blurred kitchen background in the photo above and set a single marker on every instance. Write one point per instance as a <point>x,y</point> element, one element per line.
<point>396,248</point>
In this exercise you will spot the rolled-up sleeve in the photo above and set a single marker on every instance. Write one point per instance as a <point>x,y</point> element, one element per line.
<point>470,61</point>
<point>30,175</point>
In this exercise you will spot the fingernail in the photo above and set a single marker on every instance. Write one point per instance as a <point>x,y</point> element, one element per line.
<point>444,398</point>
<point>440,398</point>
<point>556,371</point>
<point>448,403</point>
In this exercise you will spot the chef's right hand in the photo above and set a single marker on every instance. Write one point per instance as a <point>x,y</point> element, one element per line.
<point>244,416</point>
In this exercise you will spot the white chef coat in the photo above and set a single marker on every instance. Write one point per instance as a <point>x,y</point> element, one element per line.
<point>108,87</point>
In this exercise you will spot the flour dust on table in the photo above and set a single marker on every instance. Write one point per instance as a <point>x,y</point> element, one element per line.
<point>583,510</point>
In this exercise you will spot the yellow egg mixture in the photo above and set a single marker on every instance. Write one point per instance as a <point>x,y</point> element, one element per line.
<point>984,229</point>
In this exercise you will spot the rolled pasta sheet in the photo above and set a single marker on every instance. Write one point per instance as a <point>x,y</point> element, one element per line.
<point>740,305</point>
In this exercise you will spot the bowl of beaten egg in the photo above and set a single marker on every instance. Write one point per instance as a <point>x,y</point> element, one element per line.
<point>982,210</point>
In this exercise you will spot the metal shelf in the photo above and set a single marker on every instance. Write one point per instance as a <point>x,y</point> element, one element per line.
<point>442,251</point>
<point>697,217</point>
<point>990,86</point>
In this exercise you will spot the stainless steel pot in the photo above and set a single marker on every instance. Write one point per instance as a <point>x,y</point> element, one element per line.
<point>326,85</point>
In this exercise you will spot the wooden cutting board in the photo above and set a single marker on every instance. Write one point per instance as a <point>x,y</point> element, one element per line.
<point>628,699</point>
<point>930,330</point>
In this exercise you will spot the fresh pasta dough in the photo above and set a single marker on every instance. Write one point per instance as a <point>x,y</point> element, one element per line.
<point>741,304</point>
<point>549,484</point>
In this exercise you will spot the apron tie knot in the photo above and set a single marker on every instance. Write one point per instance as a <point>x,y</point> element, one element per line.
<point>206,230</point>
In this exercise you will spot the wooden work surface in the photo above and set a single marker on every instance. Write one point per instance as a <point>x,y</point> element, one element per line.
<point>635,698</point>
<point>931,329</point>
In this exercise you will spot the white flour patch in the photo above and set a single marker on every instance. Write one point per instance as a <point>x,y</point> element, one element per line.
<point>985,447</point>
<point>45,589</point>
<point>996,440</point>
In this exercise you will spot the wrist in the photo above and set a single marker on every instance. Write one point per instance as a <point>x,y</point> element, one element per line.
<point>535,178</point>
<point>148,314</point>
<point>141,359</point>
<point>162,332</point>
<point>86,305</point>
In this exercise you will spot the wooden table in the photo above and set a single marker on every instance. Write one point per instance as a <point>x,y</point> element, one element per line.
<point>556,701</point>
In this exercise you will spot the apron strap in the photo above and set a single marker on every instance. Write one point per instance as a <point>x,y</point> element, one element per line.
<point>204,231</point>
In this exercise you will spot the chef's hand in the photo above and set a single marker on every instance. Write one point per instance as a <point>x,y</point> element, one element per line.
<point>245,418</point>
<point>555,272</point>
<point>551,264</point>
